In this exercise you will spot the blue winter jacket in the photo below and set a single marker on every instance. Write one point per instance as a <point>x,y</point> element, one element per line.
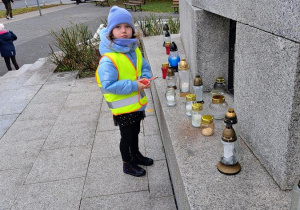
<point>107,72</point>
<point>7,48</point>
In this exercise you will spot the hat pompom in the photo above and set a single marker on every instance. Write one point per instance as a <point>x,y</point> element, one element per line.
<point>1,27</point>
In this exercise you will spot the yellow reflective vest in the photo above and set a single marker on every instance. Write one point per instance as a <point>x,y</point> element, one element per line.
<point>121,104</point>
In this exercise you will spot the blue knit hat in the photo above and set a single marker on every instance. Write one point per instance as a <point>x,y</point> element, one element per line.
<point>117,16</point>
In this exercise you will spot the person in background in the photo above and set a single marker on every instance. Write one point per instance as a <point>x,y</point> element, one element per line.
<point>8,8</point>
<point>7,48</point>
<point>122,76</point>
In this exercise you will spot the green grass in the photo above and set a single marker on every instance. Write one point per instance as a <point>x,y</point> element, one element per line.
<point>19,11</point>
<point>160,6</point>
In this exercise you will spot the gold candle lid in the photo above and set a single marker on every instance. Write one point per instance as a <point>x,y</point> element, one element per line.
<point>207,119</point>
<point>183,65</point>
<point>228,134</point>
<point>197,107</point>
<point>218,99</point>
<point>190,97</point>
<point>165,65</point>
<point>198,81</point>
<point>230,116</point>
<point>220,80</point>
<point>170,72</point>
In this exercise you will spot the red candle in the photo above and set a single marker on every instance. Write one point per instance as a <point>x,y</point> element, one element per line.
<point>168,45</point>
<point>164,69</point>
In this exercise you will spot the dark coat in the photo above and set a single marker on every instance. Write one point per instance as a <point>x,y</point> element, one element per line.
<point>7,1</point>
<point>7,48</point>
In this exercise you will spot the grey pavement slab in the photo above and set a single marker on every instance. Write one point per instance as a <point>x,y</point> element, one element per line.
<point>133,201</point>
<point>105,177</point>
<point>150,125</point>
<point>19,100</point>
<point>58,195</point>
<point>6,121</point>
<point>41,76</point>
<point>29,130</point>
<point>41,111</point>
<point>83,99</point>
<point>106,121</point>
<point>104,107</point>
<point>22,154</point>
<point>79,114</point>
<point>163,203</point>
<point>57,164</point>
<point>85,85</point>
<point>11,182</point>
<point>150,109</point>
<point>65,77</point>
<point>81,134</point>
<point>154,147</point>
<point>159,181</point>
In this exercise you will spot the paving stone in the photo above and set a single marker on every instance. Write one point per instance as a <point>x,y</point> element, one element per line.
<point>41,111</point>
<point>83,99</point>
<point>63,77</point>
<point>41,76</point>
<point>150,111</point>
<point>59,164</point>
<point>163,203</point>
<point>106,122</point>
<point>85,85</point>
<point>81,134</point>
<point>29,130</point>
<point>79,114</point>
<point>105,177</point>
<point>154,147</point>
<point>159,180</point>
<point>6,121</point>
<point>11,182</point>
<point>19,101</point>
<point>150,125</point>
<point>64,194</point>
<point>104,107</point>
<point>133,201</point>
<point>19,154</point>
<point>50,96</point>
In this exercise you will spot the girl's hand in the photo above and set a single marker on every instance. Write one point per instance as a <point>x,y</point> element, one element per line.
<point>143,84</point>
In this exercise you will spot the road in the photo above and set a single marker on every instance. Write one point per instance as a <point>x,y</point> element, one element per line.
<point>30,3</point>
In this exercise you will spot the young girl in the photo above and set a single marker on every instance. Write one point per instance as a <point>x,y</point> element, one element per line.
<point>120,76</point>
<point>7,47</point>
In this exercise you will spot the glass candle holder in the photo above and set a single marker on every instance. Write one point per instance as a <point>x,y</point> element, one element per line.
<point>184,76</point>
<point>218,107</point>
<point>219,86</point>
<point>164,69</point>
<point>171,96</point>
<point>171,78</point>
<point>190,100</point>
<point>196,114</point>
<point>198,89</point>
<point>167,45</point>
<point>207,126</point>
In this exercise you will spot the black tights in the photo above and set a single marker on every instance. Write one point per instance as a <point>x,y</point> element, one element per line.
<point>7,62</point>
<point>129,140</point>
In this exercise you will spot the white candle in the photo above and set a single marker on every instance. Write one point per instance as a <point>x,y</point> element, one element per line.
<point>228,150</point>
<point>185,87</point>
<point>188,108</point>
<point>196,120</point>
<point>170,100</point>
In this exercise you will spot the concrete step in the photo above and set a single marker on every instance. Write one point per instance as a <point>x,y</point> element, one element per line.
<point>192,157</point>
<point>16,73</point>
<point>41,76</point>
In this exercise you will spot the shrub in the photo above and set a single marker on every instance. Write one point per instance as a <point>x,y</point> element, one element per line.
<point>79,51</point>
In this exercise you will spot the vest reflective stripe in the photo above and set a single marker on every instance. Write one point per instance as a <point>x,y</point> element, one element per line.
<point>125,102</point>
<point>120,104</point>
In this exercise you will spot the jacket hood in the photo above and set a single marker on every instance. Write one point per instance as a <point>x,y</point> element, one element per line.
<point>107,46</point>
<point>5,36</point>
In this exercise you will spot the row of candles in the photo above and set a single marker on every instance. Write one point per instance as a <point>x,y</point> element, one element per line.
<point>229,161</point>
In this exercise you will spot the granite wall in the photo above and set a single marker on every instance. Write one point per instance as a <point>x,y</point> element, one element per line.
<point>209,57</point>
<point>267,67</point>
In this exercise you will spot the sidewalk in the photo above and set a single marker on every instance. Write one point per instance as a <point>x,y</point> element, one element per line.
<point>59,148</point>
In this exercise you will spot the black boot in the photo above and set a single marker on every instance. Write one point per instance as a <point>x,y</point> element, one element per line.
<point>132,169</point>
<point>139,159</point>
